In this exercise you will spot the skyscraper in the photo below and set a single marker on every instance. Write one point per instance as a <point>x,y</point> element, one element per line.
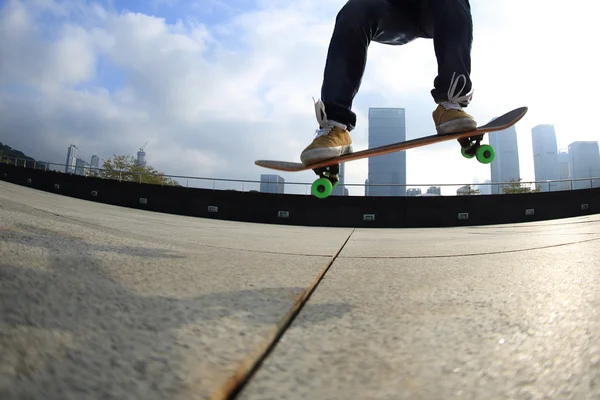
<point>545,156</point>
<point>95,161</point>
<point>81,167</point>
<point>270,183</point>
<point>387,126</point>
<point>584,163</point>
<point>141,156</point>
<point>563,170</point>
<point>71,159</point>
<point>506,164</point>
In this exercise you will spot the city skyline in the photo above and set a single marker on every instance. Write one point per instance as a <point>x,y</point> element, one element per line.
<point>389,127</point>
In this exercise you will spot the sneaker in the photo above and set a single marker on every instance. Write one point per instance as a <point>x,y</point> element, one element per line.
<point>332,139</point>
<point>449,118</point>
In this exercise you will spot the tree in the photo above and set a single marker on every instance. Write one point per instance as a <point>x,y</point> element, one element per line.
<point>125,168</point>
<point>513,186</point>
<point>466,190</point>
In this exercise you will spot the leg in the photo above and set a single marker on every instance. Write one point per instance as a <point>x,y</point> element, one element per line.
<point>452,38</point>
<point>357,24</point>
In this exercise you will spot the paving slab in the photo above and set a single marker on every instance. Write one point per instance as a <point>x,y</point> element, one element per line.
<point>522,325</point>
<point>448,242</point>
<point>105,302</point>
<point>187,231</point>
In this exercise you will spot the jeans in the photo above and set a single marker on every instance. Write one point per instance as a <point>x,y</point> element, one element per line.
<point>395,22</point>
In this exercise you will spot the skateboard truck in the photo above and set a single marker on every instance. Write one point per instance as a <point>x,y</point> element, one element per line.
<point>328,180</point>
<point>471,147</point>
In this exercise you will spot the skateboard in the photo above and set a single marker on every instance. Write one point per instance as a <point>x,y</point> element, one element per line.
<point>470,143</point>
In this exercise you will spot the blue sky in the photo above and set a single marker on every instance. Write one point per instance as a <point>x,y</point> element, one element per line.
<point>210,13</point>
<point>207,11</point>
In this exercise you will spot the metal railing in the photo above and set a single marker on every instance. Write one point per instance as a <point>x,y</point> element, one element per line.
<point>305,187</point>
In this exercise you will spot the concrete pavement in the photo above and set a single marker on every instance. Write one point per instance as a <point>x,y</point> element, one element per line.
<point>103,302</point>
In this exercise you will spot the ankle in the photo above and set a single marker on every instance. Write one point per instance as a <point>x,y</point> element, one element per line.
<point>449,105</point>
<point>338,124</point>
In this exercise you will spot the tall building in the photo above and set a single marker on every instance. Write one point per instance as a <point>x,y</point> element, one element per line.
<point>95,161</point>
<point>584,163</point>
<point>71,159</point>
<point>545,156</point>
<point>141,156</point>
<point>340,189</point>
<point>81,167</point>
<point>270,183</point>
<point>563,170</point>
<point>387,126</point>
<point>506,163</point>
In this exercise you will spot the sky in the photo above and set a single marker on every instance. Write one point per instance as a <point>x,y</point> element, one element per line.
<point>213,85</point>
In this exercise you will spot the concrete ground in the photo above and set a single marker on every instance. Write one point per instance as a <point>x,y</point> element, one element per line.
<point>102,302</point>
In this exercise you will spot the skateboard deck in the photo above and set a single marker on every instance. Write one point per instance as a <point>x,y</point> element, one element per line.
<point>470,142</point>
<point>503,122</point>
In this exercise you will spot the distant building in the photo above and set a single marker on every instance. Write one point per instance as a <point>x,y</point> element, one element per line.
<point>584,162</point>
<point>270,183</point>
<point>71,159</point>
<point>141,156</point>
<point>506,163</point>
<point>81,167</point>
<point>545,156</point>
<point>413,192</point>
<point>434,191</point>
<point>95,162</point>
<point>563,170</point>
<point>387,126</point>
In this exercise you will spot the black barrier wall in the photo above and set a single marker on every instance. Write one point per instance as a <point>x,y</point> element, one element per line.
<point>334,211</point>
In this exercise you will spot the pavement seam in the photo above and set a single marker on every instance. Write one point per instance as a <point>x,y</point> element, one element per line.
<point>238,380</point>
<point>469,254</point>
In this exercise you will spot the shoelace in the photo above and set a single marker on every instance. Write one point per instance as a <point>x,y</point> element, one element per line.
<point>454,97</point>
<point>325,126</point>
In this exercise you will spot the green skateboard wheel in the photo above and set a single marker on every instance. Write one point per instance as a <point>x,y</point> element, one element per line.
<point>485,154</point>
<point>322,188</point>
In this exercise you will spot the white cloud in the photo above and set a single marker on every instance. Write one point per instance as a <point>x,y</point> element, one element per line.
<point>211,99</point>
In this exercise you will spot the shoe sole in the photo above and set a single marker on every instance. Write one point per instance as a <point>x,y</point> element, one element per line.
<point>457,125</point>
<point>323,153</point>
